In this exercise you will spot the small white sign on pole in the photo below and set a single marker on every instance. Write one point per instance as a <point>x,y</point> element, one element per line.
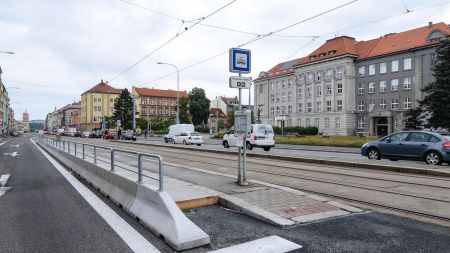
<point>240,82</point>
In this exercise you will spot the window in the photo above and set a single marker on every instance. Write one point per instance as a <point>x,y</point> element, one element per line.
<point>394,66</point>
<point>399,137</point>
<point>151,101</point>
<point>283,96</point>
<point>339,105</point>
<point>308,122</point>
<point>394,104</point>
<point>339,88</point>
<point>397,122</point>
<point>95,108</point>
<point>318,106</point>
<point>283,84</point>
<point>99,100</point>
<point>95,99</point>
<point>407,103</point>
<point>278,110</point>
<point>99,108</point>
<point>300,91</point>
<point>328,106</point>
<point>278,85</point>
<point>329,74</point>
<point>111,100</point>
<point>283,110</point>
<point>310,78</point>
<point>289,83</point>
<point>327,122</point>
<point>361,88</point>
<point>316,122</point>
<point>394,85</point>
<point>382,86</point>
<point>371,87</point>
<point>361,71</point>
<point>383,104</point>
<point>419,137</point>
<point>278,97</point>
<point>309,107</point>
<point>339,71</point>
<point>407,64</point>
<point>371,69</point>
<point>144,101</point>
<point>433,59</point>
<point>337,122</point>
<point>329,90</point>
<point>261,88</point>
<point>308,92</point>
<point>299,122</point>
<point>361,124</point>
<point>289,109</point>
<point>272,85</point>
<point>383,68</point>
<point>407,83</point>
<point>319,76</point>
<point>144,110</point>
<point>272,97</point>
<point>272,111</point>
<point>301,79</point>
<point>371,105</point>
<point>289,95</point>
<point>361,106</point>
<point>319,91</point>
<point>300,108</point>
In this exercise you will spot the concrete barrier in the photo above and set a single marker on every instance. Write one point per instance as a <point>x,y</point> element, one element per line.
<point>156,210</point>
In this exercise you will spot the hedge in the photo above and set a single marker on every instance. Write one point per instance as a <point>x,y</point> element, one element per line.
<point>309,130</point>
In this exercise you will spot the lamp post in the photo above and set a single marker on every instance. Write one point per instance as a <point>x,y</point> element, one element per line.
<point>178,90</point>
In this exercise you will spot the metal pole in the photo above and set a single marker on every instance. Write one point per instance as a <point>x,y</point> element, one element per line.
<point>68,147</point>
<point>139,168</point>
<point>112,159</point>
<point>75,147</point>
<point>64,146</point>
<point>83,150</point>
<point>134,113</point>
<point>178,96</point>
<point>95,155</point>
<point>161,184</point>
<point>148,118</point>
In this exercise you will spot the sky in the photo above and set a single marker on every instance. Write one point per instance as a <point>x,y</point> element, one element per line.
<point>63,48</point>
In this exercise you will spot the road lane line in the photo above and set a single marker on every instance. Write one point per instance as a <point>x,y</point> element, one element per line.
<point>3,181</point>
<point>131,237</point>
<point>4,142</point>
<point>270,244</point>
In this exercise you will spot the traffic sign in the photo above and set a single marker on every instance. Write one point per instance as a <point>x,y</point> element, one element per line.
<point>240,82</point>
<point>240,60</point>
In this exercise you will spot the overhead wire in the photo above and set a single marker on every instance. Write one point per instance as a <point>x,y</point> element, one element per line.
<point>170,40</point>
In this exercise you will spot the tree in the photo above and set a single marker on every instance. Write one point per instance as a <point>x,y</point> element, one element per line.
<point>414,118</point>
<point>110,122</point>
<point>229,122</point>
<point>184,117</point>
<point>221,124</point>
<point>123,109</point>
<point>198,106</point>
<point>437,98</point>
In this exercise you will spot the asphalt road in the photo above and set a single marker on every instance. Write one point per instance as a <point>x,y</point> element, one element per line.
<point>42,212</point>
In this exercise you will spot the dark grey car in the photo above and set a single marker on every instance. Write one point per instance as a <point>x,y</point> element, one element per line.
<point>431,147</point>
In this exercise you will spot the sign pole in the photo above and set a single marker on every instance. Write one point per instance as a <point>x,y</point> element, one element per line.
<point>239,180</point>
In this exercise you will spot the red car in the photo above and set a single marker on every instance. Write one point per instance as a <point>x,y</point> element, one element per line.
<point>109,136</point>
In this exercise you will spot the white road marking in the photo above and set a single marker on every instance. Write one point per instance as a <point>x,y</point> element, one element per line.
<point>4,142</point>
<point>3,181</point>
<point>131,237</point>
<point>270,244</point>
<point>16,146</point>
<point>11,154</point>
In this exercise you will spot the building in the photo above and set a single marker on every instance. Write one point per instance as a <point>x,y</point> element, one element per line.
<point>64,118</point>
<point>225,104</point>
<point>216,115</point>
<point>25,122</point>
<point>155,103</point>
<point>323,89</point>
<point>390,77</point>
<point>96,104</point>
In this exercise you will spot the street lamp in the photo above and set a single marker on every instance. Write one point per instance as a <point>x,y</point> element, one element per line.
<point>7,52</point>
<point>178,90</point>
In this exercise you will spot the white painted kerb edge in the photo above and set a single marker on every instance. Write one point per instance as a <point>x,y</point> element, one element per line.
<point>270,244</point>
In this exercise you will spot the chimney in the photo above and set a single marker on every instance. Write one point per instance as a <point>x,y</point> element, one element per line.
<point>430,24</point>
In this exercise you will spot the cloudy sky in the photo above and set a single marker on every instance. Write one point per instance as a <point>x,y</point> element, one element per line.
<point>62,48</point>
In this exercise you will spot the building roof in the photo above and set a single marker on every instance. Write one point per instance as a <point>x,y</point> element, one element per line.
<point>103,87</point>
<point>159,93</point>
<point>230,101</point>
<point>344,45</point>
<point>217,112</point>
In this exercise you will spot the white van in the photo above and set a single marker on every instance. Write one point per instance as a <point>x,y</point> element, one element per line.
<point>177,129</point>
<point>261,136</point>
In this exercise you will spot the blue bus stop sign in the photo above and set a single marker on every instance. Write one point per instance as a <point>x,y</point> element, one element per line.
<point>240,60</point>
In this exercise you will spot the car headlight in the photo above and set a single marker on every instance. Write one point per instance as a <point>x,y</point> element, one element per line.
<point>365,144</point>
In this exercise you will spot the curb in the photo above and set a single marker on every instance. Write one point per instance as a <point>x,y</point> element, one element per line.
<point>409,170</point>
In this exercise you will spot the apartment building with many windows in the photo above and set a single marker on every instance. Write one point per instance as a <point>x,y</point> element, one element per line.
<point>347,87</point>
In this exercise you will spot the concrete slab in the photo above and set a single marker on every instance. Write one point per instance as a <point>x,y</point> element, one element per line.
<point>345,207</point>
<point>320,216</point>
<point>270,244</point>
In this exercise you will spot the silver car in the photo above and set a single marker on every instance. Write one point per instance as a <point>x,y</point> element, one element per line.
<point>431,147</point>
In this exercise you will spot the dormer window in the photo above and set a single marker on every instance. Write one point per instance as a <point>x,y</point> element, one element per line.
<point>312,57</point>
<point>331,52</point>
<point>435,36</point>
<point>322,54</point>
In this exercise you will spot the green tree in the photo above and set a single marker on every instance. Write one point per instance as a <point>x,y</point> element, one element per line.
<point>110,122</point>
<point>184,117</point>
<point>437,98</point>
<point>414,118</point>
<point>229,122</point>
<point>123,109</point>
<point>198,106</point>
<point>221,124</point>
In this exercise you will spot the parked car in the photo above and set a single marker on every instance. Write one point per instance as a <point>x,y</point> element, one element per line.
<point>85,134</point>
<point>77,134</point>
<point>14,133</point>
<point>430,147</point>
<point>177,129</point>
<point>261,136</point>
<point>108,136</point>
<point>188,138</point>
<point>128,136</point>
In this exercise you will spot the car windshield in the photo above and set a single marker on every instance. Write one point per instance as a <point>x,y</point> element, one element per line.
<point>265,129</point>
<point>447,137</point>
<point>195,134</point>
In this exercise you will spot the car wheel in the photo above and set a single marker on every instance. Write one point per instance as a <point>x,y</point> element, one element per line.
<point>225,144</point>
<point>173,141</point>
<point>433,158</point>
<point>267,149</point>
<point>165,140</point>
<point>184,142</point>
<point>374,154</point>
<point>390,159</point>
<point>199,145</point>
<point>249,146</point>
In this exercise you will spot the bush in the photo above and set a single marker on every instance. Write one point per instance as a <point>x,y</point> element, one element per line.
<point>309,130</point>
<point>202,129</point>
<point>219,135</point>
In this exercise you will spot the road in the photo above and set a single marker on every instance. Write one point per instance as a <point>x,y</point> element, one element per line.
<point>410,193</point>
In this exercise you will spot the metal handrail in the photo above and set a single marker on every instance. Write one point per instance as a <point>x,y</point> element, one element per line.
<point>61,144</point>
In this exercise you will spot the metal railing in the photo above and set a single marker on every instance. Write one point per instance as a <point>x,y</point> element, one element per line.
<point>61,144</point>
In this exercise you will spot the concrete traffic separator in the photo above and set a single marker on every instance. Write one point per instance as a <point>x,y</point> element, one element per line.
<point>155,209</point>
<point>382,167</point>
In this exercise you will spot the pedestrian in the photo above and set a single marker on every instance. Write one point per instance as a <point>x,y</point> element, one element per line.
<point>145,132</point>
<point>119,133</point>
